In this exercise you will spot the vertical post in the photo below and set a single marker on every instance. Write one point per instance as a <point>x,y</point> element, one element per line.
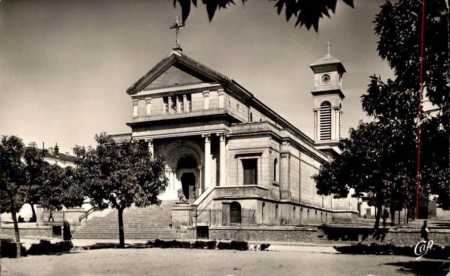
<point>420,111</point>
<point>150,147</point>
<point>223,157</point>
<point>207,160</point>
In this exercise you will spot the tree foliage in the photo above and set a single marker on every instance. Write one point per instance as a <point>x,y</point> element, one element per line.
<point>34,163</point>
<point>12,178</point>
<point>305,12</point>
<point>379,158</point>
<point>119,175</point>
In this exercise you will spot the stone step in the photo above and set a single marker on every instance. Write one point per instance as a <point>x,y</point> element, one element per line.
<point>139,223</point>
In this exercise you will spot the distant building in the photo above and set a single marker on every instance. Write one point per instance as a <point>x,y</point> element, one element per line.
<point>52,156</point>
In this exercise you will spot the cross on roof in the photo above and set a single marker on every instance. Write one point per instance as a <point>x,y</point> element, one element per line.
<point>177,26</point>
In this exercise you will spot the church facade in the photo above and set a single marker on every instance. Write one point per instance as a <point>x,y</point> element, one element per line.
<point>230,159</point>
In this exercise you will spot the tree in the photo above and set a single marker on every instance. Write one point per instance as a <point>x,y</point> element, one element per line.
<point>379,157</point>
<point>59,188</point>
<point>12,179</point>
<point>34,163</point>
<point>307,13</point>
<point>119,175</point>
<point>369,164</point>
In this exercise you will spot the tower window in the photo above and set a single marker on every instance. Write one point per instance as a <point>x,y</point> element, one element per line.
<point>326,78</point>
<point>325,121</point>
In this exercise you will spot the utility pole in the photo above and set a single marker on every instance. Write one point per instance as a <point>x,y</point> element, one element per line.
<point>420,109</point>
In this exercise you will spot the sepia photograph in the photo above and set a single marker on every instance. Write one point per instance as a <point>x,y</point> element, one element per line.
<point>224,137</point>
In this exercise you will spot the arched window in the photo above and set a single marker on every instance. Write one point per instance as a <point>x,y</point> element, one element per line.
<point>325,121</point>
<point>275,170</point>
<point>235,212</point>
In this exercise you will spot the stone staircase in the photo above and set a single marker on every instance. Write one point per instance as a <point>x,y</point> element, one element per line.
<point>139,223</point>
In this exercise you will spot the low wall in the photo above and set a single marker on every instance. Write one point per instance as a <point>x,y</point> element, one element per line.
<point>404,237</point>
<point>326,235</point>
<point>27,231</point>
<point>267,233</point>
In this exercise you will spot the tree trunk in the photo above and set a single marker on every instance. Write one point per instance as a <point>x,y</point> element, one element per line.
<point>121,232</point>
<point>392,211</point>
<point>16,232</point>
<point>33,210</point>
<point>377,215</point>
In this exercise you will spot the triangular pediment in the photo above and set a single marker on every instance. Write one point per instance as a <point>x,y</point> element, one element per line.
<point>173,76</point>
<point>176,70</point>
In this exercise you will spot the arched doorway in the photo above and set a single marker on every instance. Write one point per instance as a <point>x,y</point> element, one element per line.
<point>187,173</point>
<point>188,185</point>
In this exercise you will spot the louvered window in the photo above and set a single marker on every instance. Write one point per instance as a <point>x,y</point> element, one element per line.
<point>325,121</point>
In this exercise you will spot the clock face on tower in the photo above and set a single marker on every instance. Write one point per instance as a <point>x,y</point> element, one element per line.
<point>325,78</point>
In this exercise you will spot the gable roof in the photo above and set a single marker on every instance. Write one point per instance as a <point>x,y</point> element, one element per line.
<point>183,62</point>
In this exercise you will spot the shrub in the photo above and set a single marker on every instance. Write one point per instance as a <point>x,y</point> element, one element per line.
<point>236,245</point>
<point>211,244</point>
<point>9,249</point>
<point>45,247</point>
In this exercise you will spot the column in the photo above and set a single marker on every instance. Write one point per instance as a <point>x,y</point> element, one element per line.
<point>185,103</point>
<point>150,147</point>
<point>316,125</point>
<point>207,161</point>
<point>221,98</point>
<point>206,99</point>
<point>333,123</point>
<point>338,124</point>
<point>223,156</point>
<point>148,106</point>
<point>285,171</point>
<point>169,101</point>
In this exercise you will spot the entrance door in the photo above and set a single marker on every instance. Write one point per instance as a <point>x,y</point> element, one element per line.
<point>188,184</point>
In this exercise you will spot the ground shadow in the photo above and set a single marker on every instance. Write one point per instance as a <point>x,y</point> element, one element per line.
<point>423,267</point>
<point>337,233</point>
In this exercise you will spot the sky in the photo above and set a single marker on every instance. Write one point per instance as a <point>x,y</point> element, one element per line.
<point>65,65</point>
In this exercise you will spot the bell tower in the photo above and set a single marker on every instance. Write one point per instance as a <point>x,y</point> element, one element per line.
<point>328,98</point>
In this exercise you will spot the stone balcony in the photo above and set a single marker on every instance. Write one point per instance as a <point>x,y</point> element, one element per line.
<point>181,116</point>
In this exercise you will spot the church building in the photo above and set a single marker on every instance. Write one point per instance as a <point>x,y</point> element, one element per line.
<point>231,159</point>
